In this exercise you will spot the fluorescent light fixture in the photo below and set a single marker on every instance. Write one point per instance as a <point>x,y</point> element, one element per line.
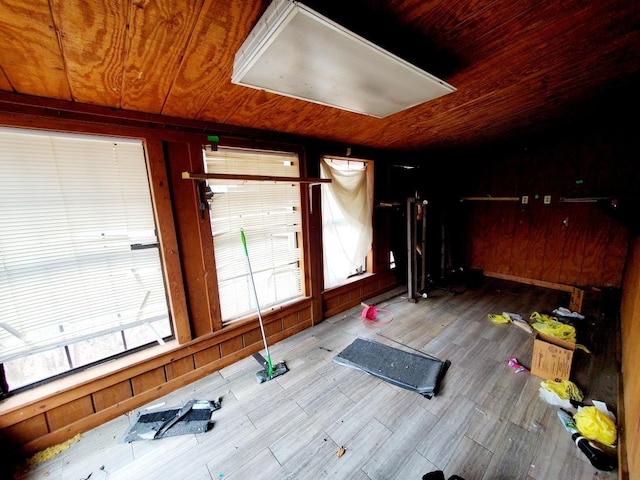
<point>296,52</point>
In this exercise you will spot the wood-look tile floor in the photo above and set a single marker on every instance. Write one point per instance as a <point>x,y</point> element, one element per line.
<point>486,422</point>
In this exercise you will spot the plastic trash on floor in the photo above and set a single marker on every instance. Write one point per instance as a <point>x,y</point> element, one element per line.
<point>596,424</point>
<point>549,325</point>
<point>560,392</point>
<point>513,363</point>
<point>508,317</point>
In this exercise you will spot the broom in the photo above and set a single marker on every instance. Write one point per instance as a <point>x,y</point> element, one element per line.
<point>270,371</point>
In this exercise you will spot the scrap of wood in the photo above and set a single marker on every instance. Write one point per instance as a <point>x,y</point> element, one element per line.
<point>341,451</point>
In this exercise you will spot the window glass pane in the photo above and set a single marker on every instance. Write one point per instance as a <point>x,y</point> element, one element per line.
<point>36,367</point>
<point>94,349</point>
<point>269,214</point>
<point>79,256</point>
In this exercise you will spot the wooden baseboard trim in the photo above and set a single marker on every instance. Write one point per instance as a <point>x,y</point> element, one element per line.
<point>531,281</point>
<point>577,294</point>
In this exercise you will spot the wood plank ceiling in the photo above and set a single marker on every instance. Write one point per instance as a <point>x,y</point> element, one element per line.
<point>519,66</point>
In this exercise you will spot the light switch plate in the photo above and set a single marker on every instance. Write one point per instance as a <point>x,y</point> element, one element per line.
<point>525,199</point>
<point>547,199</point>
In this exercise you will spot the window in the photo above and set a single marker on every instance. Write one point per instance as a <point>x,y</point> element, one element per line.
<point>269,214</point>
<point>80,273</point>
<point>347,213</point>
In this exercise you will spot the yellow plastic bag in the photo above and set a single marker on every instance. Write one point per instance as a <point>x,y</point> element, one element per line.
<point>596,425</point>
<point>497,318</point>
<point>551,326</point>
<point>565,389</point>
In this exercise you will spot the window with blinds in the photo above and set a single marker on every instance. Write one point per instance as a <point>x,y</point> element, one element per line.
<point>269,214</point>
<point>80,272</point>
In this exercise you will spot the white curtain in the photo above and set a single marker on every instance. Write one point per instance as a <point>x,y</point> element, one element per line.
<point>347,211</point>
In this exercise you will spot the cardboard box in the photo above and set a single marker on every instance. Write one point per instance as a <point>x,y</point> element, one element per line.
<point>552,357</point>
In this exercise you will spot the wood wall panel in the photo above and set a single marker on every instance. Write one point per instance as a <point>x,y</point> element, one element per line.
<point>630,337</point>
<point>231,345</point>
<point>251,337</point>
<point>540,180</point>
<point>616,254</point>
<point>520,241</point>
<point>536,240</point>
<point>366,290</point>
<point>112,395</point>
<point>148,380</point>
<point>508,212</point>
<point>555,239</point>
<point>575,243</point>
<point>580,244</point>
<point>165,226</point>
<point>23,432</point>
<point>294,319</point>
<point>595,249</point>
<point>211,354</point>
<point>473,217</point>
<point>208,261</point>
<point>491,234</point>
<point>192,232</point>
<point>63,415</point>
<point>273,328</point>
<point>303,316</point>
<point>180,367</point>
<point>342,298</point>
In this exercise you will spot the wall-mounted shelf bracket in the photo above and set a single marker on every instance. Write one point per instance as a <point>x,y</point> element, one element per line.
<point>490,199</point>
<point>584,199</point>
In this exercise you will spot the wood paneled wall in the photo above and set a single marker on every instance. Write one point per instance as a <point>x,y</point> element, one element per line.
<point>581,244</point>
<point>342,298</point>
<point>52,413</point>
<point>570,244</point>
<point>630,337</point>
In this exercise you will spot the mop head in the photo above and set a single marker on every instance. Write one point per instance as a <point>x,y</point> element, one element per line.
<point>277,370</point>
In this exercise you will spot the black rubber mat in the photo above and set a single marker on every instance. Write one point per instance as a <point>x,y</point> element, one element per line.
<point>148,426</point>
<point>408,370</point>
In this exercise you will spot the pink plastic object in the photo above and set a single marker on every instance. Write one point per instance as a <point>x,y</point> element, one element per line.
<point>513,363</point>
<point>370,313</point>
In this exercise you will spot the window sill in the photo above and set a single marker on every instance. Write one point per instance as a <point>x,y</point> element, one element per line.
<point>351,280</point>
<point>78,380</point>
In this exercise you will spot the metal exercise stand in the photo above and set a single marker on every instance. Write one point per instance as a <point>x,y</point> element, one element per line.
<point>416,221</point>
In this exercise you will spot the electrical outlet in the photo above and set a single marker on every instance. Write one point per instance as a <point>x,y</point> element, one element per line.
<point>525,199</point>
<point>547,199</point>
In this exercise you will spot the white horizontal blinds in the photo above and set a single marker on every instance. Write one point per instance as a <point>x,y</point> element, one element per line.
<point>71,208</point>
<point>269,213</point>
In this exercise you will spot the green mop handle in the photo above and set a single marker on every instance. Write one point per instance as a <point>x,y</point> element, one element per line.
<point>255,294</point>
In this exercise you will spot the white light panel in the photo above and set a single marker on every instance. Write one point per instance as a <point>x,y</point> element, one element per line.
<point>296,52</point>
